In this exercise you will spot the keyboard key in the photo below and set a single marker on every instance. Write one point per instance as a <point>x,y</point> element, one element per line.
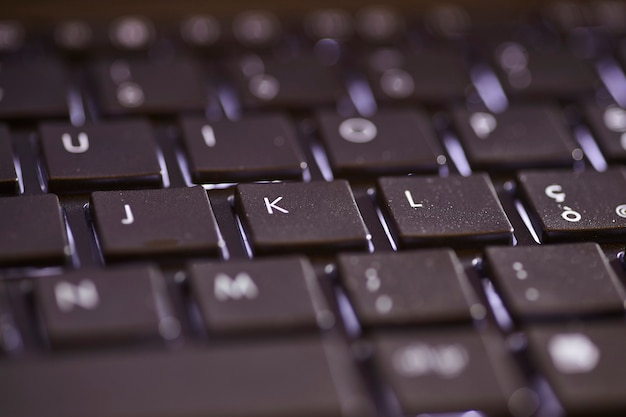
<point>577,205</point>
<point>584,364</point>
<point>279,378</point>
<point>144,223</point>
<point>254,148</point>
<point>143,87</point>
<point>297,83</point>
<point>451,211</point>
<point>551,73</point>
<point>316,216</point>
<point>523,136</point>
<point>451,370</point>
<point>409,288</point>
<point>33,231</point>
<point>10,338</point>
<point>555,281</point>
<point>18,81</point>
<point>8,177</point>
<point>259,296</point>
<point>131,33</point>
<point>608,124</point>
<point>96,306</point>
<point>429,75</point>
<point>103,156</point>
<point>390,142</point>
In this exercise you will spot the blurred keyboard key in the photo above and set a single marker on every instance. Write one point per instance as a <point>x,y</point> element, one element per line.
<point>157,223</point>
<point>608,124</point>
<point>278,294</point>
<point>18,81</point>
<point>414,287</point>
<point>451,370</point>
<point>263,378</point>
<point>429,75</point>
<point>584,364</point>
<point>551,73</point>
<point>577,205</point>
<point>290,84</point>
<point>556,280</point>
<point>288,217</point>
<point>33,231</point>
<point>390,142</point>
<point>102,156</point>
<point>98,306</point>
<point>449,211</point>
<point>132,33</point>
<point>137,86</point>
<point>254,148</point>
<point>8,177</point>
<point>523,136</point>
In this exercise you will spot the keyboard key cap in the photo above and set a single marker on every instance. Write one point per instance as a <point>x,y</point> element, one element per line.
<point>8,177</point>
<point>451,211</point>
<point>33,231</point>
<point>154,88</point>
<point>10,337</point>
<point>551,73</point>
<point>429,75</point>
<point>523,136</point>
<point>584,364</point>
<point>608,124</point>
<point>409,288</point>
<point>280,378</point>
<point>259,296</point>
<point>316,216</point>
<point>298,83</point>
<point>555,281</point>
<point>96,306</point>
<point>103,156</point>
<point>390,142</point>
<point>18,81</point>
<point>577,205</point>
<point>157,223</point>
<point>250,149</point>
<point>451,371</point>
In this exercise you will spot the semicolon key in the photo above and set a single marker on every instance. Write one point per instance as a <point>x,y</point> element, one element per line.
<point>102,156</point>
<point>155,223</point>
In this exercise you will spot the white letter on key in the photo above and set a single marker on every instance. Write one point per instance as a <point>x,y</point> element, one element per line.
<point>129,219</point>
<point>273,205</point>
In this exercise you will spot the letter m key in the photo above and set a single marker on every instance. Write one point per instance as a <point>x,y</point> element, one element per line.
<point>242,286</point>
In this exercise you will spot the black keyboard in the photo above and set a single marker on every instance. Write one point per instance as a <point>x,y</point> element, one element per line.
<point>344,213</point>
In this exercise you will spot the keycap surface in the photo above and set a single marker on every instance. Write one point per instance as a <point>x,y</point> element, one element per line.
<point>523,136</point>
<point>577,205</point>
<point>584,365</point>
<point>98,306</point>
<point>258,296</point>
<point>254,148</point>
<point>555,280</point>
<point>297,83</point>
<point>33,231</point>
<point>389,142</point>
<point>8,176</point>
<point>410,287</point>
<point>144,223</point>
<point>429,75</point>
<point>102,156</point>
<point>608,124</point>
<point>143,87</point>
<point>447,371</point>
<point>289,217</point>
<point>282,378</point>
<point>450,211</point>
<point>18,81</point>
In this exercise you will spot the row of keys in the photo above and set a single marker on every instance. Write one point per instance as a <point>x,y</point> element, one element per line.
<point>390,289</point>
<point>124,154</point>
<point>319,216</point>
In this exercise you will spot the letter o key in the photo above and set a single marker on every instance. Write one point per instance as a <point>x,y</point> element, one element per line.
<point>358,130</point>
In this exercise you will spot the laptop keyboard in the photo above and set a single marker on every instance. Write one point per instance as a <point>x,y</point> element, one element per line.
<point>343,214</point>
